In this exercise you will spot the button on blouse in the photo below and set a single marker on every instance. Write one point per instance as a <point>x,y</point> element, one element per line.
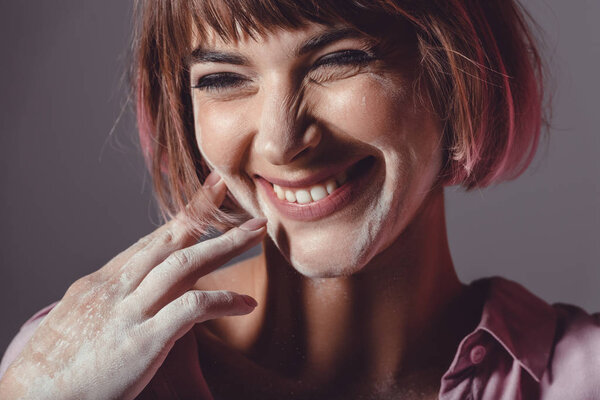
<point>477,354</point>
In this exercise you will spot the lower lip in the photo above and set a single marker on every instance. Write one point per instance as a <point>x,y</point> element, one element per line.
<point>324,207</point>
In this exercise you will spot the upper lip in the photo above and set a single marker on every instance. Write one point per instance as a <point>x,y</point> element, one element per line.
<point>320,176</point>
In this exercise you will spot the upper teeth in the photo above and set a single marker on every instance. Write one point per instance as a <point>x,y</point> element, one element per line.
<point>313,193</point>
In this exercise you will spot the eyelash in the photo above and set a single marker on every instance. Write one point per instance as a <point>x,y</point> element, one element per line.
<point>225,80</point>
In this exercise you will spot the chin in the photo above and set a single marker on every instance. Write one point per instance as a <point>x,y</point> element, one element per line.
<point>343,248</point>
<point>313,268</point>
<point>317,259</point>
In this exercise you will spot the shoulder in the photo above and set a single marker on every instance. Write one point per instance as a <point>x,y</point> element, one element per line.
<point>577,328</point>
<point>575,361</point>
<point>20,340</point>
<point>558,345</point>
<point>577,340</point>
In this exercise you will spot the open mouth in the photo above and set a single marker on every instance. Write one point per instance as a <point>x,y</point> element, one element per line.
<point>323,198</point>
<point>325,188</point>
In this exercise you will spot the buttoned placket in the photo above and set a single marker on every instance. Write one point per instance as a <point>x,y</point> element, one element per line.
<point>477,353</point>
<point>473,354</point>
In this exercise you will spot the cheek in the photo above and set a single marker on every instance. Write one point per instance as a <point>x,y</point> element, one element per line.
<point>381,112</point>
<point>368,107</point>
<point>222,140</point>
<point>219,133</point>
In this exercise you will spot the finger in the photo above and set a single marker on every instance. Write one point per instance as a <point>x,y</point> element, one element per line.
<point>213,191</point>
<point>196,306</point>
<point>175,234</point>
<point>180,270</point>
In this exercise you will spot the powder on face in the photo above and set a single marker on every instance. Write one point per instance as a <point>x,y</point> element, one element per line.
<point>370,113</point>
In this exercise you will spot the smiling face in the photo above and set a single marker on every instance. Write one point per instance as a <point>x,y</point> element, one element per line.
<point>318,130</point>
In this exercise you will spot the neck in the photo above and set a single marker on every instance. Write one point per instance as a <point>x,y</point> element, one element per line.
<point>398,320</point>
<point>381,321</point>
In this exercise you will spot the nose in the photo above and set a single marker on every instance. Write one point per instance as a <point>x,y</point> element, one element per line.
<point>285,132</point>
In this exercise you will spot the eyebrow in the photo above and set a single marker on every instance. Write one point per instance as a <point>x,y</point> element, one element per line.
<point>326,38</point>
<point>202,55</point>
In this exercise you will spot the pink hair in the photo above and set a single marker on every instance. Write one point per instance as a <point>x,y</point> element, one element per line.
<point>479,70</point>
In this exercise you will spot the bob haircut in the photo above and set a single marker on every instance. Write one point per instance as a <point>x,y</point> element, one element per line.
<point>477,62</point>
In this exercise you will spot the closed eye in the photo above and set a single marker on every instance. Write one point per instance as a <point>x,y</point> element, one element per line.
<point>219,81</point>
<point>344,57</point>
<point>339,65</point>
<point>228,80</point>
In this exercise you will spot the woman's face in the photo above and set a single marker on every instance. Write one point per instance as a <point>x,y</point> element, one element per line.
<point>302,108</point>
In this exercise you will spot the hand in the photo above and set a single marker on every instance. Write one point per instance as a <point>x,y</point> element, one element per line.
<point>113,329</point>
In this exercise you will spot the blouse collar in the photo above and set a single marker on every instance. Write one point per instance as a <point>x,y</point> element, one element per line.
<point>518,320</point>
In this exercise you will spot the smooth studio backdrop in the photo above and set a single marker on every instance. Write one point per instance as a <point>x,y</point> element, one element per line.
<point>74,191</point>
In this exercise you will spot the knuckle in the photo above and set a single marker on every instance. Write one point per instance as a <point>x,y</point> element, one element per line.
<point>179,258</point>
<point>195,300</point>
<point>81,285</point>
<point>167,237</point>
<point>229,240</point>
<point>100,277</point>
<point>174,234</point>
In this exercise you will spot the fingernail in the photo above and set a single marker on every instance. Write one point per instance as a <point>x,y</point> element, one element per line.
<point>212,179</point>
<point>253,224</point>
<point>250,301</point>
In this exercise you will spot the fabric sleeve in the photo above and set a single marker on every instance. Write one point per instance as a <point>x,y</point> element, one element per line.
<point>20,340</point>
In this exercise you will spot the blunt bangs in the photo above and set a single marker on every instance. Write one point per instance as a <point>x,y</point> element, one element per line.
<point>233,19</point>
<point>478,69</point>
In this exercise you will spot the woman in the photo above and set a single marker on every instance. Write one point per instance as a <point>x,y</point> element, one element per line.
<point>334,126</point>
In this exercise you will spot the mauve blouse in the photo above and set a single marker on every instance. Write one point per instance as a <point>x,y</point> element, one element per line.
<point>522,348</point>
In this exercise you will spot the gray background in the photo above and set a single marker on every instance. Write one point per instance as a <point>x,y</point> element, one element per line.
<point>74,190</point>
